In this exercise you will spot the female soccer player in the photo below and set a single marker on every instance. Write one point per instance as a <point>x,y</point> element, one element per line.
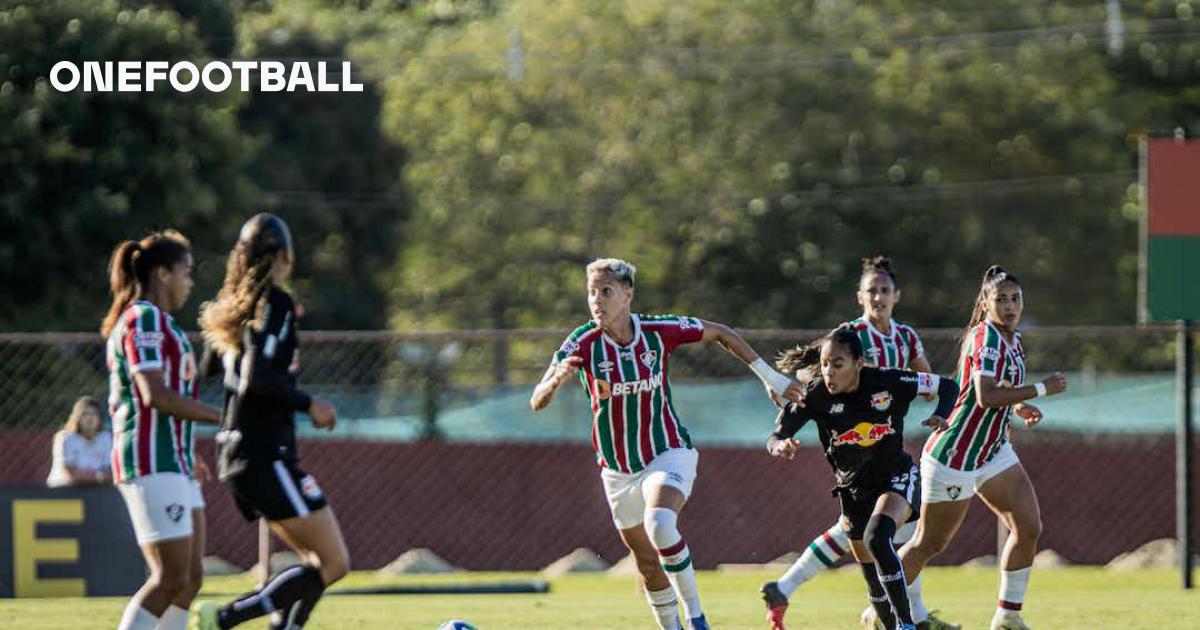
<point>152,401</point>
<point>647,459</point>
<point>252,325</point>
<point>886,344</point>
<point>859,412</point>
<point>973,453</point>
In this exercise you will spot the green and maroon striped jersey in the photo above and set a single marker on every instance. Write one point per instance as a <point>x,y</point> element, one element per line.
<point>633,417</point>
<point>145,440</point>
<point>897,349</point>
<point>976,433</point>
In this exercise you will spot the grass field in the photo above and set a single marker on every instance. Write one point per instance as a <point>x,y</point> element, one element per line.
<point>1058,599</point>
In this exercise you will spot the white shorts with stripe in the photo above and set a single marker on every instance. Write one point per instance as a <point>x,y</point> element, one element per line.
<point>626,492</point>
<point>940,482</point>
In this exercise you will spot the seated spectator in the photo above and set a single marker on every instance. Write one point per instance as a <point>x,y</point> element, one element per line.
<point>82,449</point>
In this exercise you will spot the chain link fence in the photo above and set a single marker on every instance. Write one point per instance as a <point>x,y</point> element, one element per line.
<point>436,430</point>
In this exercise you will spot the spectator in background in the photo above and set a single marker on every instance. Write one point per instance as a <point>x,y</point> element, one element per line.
<point>82,448</point>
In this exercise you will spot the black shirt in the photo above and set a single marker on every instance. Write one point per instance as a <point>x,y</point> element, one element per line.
<point>862,432</point>
<point>261,396</point>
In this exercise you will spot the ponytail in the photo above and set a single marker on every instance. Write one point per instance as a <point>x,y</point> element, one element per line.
<point>130,267</point>
<point>806,357</point>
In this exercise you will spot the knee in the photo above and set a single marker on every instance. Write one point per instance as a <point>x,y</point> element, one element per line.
<point>661,526</point>
<point>335,567</point>
<point>1028,530</point>
<point>172,583</point>
<point>878,535</point>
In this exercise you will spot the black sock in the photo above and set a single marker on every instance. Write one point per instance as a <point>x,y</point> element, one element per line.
<point>296,615</point>
<point>880,530</point>
<point>878,596</point>
<point>292,584</point>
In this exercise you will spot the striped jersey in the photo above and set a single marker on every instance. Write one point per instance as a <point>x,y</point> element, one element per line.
<point>145,440</point>
<point>633,417</point>
<point>975,433</point>
<point>898,349</point>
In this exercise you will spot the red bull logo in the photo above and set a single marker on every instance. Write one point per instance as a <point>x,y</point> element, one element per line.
<point>864,434</point>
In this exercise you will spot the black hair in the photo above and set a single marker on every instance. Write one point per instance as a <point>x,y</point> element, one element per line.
<point>992,278</point>
<point>804,357</point>
<point>879,264</point>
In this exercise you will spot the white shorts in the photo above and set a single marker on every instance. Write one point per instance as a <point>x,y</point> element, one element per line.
<point>940,482</point>
<point>160,506</point>
<point>197,497</point>
<point>626,492</point>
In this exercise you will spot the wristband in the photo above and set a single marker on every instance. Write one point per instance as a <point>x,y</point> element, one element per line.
<point>776,381</point>
<point>1041,389</point>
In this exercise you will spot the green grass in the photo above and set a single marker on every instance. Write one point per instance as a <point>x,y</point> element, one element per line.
<point>1058,599</point>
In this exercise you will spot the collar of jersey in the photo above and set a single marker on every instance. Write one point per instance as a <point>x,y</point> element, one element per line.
<point>637,334</point>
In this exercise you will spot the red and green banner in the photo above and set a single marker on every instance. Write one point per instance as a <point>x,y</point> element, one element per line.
<point>1171,246</point>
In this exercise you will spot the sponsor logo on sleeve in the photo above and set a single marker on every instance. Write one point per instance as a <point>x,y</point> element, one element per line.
<point>989,354</point>
<point>309,487</point>
<point>689,322</point>
<point>147,339</point>
<point>569,347</point>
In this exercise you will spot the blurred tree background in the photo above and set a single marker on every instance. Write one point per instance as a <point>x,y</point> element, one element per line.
<point>744,155</point>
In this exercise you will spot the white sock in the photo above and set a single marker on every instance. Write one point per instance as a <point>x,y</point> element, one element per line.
<point>915,603</point>
<point>675,557</point>
<point>137,618</point>
<point>665,605</point>
<point>1012,588</point>
<point>823,552</point>
<point>174,618</point>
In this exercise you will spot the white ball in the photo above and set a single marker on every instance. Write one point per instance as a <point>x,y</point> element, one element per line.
<point>457,624</point>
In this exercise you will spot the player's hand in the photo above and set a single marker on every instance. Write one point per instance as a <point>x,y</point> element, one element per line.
<point>795,393</point>
<point>1055,383</point>
<point>786,449</point>
<point>936,423</point>
<point>203,473</point>
<point>773,396</point>
<point>566,369</point>
<point>323,414</point>
<point>1029,413</point>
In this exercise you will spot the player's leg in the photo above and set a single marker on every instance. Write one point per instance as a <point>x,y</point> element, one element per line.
<point>659,593</point>
<point>890,508</point>
<point>168,564</point>
<point>822,553</point>
<point>628,506</point>
<point>299,515</point>
<point>856,514</point>
<point>157,506</point>
<point>176,615</point>
<point>666,486</point>
<point>945,496</point>
<point>1011,496</point>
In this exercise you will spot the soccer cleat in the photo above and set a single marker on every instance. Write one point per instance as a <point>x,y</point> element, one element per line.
<point>777,604</point>
<point>699,623</point>
<point>933,623</point>
<point>1008,620</point>
<point>870,620</point>
<point>204,616</point>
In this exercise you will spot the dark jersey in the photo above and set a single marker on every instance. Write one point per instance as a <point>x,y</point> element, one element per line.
<point>261,397</point>
<point>862,432</point>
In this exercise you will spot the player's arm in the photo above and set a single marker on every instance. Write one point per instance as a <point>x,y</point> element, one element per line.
<point>778,386</point>
<point>920,364</point>
<point>262,376</point>
<point>153,389</point>
<point>558,373</point>
<point>782,442</point>
<point>945,389</point>
<point>990,394</point>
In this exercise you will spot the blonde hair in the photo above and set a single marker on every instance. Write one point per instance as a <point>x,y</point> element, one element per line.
<point>622,271</point>
<point>81,405</point>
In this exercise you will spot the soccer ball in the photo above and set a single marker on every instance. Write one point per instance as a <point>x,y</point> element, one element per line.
<point>457,624</point>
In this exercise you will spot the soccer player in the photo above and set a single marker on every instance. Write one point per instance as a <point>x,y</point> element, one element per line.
<point>152,402</point>
<point>252,325</point>
<point>859,412</point>
<point>973,454</point>
<point>647,460</point>
<point>886,344</point>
